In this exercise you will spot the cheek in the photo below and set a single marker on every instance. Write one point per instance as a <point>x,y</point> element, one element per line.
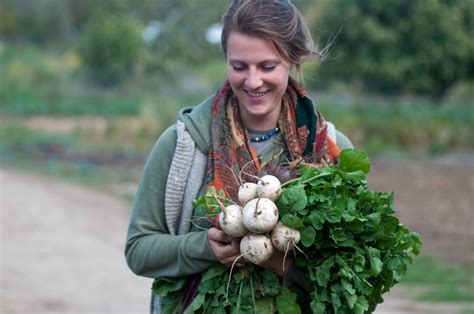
<point>279,79</point>
<point>234,78</point>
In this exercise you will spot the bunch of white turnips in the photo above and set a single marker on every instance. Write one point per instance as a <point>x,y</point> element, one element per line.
<point>256,221</point>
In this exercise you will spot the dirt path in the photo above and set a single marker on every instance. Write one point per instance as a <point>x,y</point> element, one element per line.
<point>62,244</point>
<point>62,250</point>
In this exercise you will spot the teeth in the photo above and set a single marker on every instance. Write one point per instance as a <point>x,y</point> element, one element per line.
<point>255,94</point>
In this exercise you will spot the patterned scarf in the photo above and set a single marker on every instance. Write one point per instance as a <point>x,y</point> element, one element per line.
<point>302,127</point>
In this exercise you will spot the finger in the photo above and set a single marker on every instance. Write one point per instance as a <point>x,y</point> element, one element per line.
<point>217,235</point>
<point>229,250</point>
<point>224,252</point>
<point>227,254</point>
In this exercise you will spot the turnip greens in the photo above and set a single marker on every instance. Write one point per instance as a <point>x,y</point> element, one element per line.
<point>355,249</point>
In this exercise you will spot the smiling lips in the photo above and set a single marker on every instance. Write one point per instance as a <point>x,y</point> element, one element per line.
<point>255,95</point>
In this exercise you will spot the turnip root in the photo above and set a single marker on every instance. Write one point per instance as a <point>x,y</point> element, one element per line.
<point>269,187</point>
<point>260,215</point>
<point>230,221</point>
<point>284,238</point>
<point>247,192</point>
<point>256,248</point>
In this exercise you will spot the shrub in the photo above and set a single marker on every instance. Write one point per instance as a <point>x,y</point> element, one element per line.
<point>109,47</point>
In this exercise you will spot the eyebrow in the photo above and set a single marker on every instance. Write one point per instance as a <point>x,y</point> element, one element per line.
<point>276,61</point>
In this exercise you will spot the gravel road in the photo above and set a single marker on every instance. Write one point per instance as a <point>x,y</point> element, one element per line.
<point>62,249</point>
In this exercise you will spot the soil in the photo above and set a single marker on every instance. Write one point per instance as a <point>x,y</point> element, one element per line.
<point>62,244</point>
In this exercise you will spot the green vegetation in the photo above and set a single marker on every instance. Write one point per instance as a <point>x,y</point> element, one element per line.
<point>69,59</point>
<point>82,172</point>
<point>110,47</point>
<point>439,282</point>
<point>49,83</point>
<point>386,127</point>
<point>422,46</point>
<point>354,247</point>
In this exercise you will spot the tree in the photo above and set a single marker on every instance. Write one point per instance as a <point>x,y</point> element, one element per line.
<point>110,46</point>
<point>416,46</point>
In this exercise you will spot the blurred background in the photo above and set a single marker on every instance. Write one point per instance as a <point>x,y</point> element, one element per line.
<point>86,87</point>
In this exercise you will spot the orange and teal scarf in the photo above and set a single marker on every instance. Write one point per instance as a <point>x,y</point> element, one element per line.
<point>302,127</point>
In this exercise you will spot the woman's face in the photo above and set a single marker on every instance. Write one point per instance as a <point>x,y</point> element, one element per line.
<point>258,77</point>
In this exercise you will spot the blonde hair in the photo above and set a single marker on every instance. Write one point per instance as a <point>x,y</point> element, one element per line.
<point>277,20</point>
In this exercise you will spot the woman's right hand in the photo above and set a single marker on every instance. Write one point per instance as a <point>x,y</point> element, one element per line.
<point>224,247</point>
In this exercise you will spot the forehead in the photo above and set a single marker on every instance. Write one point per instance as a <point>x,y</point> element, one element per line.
<point>241,47</point>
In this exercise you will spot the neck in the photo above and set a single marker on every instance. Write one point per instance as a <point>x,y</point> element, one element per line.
<point>260,123</point>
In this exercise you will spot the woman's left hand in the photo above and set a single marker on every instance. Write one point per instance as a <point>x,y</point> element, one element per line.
<point>275,262</point>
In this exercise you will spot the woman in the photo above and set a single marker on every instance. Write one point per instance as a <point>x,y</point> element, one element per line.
<point>259,117</point>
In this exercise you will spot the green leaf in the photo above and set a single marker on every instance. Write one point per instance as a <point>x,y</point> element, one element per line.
<point>197,303</point>
<point>359,176</point>
<point>317,220</point>
<point>363,286</point>
<point>292,221</point>
<point>265,305</point>
<point>351,160</point>
<point>333,216</point>
<point>336,297</point>
<point>361,305</point>
<point>164,286</point>
<point>374,259</point>
<point>213,272</point>
<point>286,302</point>
<point>349,293</point>
<point>269,283</point>
<point>323,272</point>
<point>308,236</point>
<point>318,307</point>
<point>293,199</point>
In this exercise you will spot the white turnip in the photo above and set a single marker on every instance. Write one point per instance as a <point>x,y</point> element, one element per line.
<point>260,215</point>
<point>247,192</point>
<point>230,221</point>
<point>269,187</point>
<point>284,238</point>
<point>256,248</point>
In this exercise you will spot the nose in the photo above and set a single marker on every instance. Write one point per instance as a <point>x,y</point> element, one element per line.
<point>253,80</point>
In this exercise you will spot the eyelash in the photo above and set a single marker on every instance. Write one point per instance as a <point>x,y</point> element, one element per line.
<point>264,68</point>
<point>268,68</point>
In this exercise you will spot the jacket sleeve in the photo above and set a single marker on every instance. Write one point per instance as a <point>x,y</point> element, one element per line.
<point>150,250</point>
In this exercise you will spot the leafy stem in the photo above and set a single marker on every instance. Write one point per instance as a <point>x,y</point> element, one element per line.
<point>307,180</point>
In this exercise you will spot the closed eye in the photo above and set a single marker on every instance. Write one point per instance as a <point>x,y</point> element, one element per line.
<point>268,68</point>
<point>238,68</point>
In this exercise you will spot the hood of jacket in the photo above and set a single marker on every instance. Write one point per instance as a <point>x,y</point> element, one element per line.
<point>198,123</point>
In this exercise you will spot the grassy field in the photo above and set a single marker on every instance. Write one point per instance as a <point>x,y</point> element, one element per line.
<point>430,280</point>
<point>50,83</point>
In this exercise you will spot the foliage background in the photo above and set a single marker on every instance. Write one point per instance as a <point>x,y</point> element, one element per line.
<point>92,80</point>
<point>86,82</point>
<point>399,76</point>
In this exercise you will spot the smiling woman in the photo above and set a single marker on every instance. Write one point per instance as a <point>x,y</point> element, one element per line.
<point>214,142</point>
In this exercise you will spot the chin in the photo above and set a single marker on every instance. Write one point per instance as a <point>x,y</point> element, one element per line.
<point>258,113</point>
